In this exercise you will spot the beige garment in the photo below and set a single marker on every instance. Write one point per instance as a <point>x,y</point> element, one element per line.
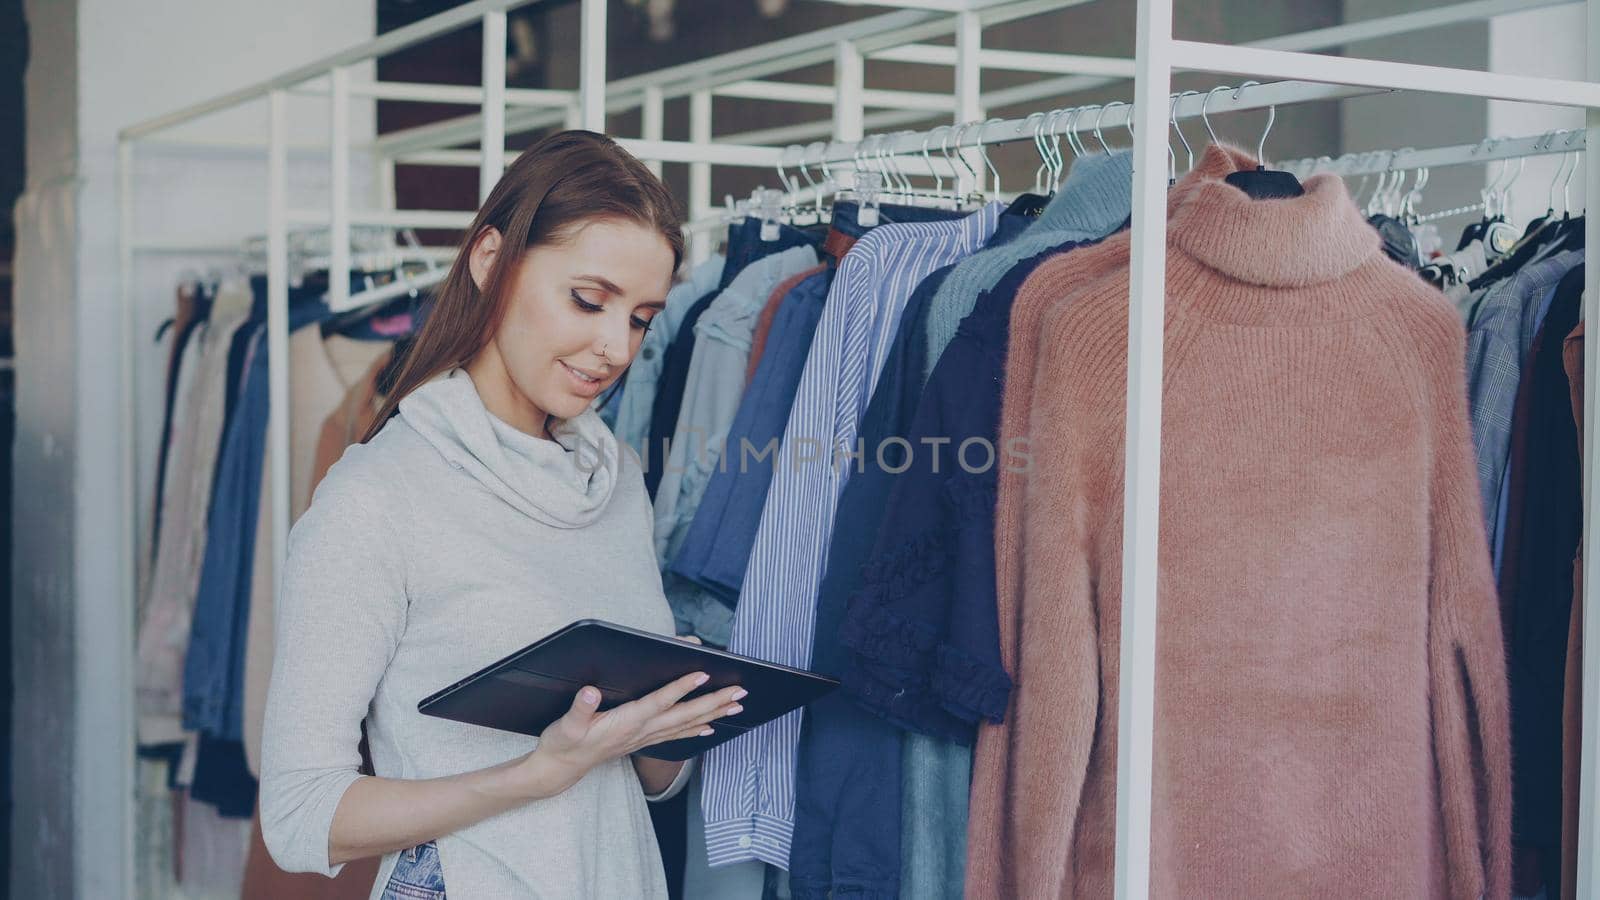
<point>182,314</point>
<point>174,579</point>
<point>347,424</point>
<point>321,372</point>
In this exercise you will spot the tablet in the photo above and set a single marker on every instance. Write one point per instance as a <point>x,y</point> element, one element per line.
<point>535,686</point>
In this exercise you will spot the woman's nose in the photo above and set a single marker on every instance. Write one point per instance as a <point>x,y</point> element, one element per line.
<point>611,344</point>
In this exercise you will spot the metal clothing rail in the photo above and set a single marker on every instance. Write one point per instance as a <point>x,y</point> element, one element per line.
<point>1377,161</point>
<point>897,35</point>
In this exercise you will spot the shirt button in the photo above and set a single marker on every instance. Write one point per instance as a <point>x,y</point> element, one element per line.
<point>744,842</point>
<point>648,353</point>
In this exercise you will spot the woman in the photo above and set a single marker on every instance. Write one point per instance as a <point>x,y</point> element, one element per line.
<point>490,507</point>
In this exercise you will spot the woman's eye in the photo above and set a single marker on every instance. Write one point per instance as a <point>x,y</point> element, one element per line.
<point>586,306</point>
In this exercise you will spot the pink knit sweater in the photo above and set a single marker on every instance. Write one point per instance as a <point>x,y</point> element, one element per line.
<point>1331,713</point>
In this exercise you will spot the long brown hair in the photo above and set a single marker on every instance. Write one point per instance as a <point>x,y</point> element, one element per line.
<point>561,182</point>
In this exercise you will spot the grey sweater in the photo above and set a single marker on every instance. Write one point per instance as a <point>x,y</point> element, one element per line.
<point>447,542</point>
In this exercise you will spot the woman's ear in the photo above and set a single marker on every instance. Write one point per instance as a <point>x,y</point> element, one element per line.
<point>481,260</point>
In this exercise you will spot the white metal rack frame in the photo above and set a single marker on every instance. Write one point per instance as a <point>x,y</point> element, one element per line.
<point>898,36</point>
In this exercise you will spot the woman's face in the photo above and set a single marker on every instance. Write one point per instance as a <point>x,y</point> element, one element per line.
<point>576,314</point>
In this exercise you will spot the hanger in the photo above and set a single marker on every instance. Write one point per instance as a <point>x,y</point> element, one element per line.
<point>1058,160</point>
<point>1098,136</point>
<point>1175,127</point>
<point>1500,236</point>
<point>938,179</point>
<point>983,153</point>
<point>1030,204</point>
<point>1264,183</point>
<point>1476,230</point>
<point>1547,232</point>
<point>1079,148</point>
<point>1205,116</point>
<point>944,150</point>
<point>1039,146</point>
<point>960,132</point>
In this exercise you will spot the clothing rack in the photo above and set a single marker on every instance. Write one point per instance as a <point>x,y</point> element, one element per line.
<point>1297,76</point>
<point>1490,150</point>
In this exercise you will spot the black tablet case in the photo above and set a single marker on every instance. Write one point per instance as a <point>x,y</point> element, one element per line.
<point>534,686</point>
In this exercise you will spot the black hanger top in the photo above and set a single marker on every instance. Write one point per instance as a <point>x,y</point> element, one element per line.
<point>1262,183</point>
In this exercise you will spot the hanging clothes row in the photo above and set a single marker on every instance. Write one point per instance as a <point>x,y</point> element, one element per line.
<point>205,619</point>
<point>903,467</point>
<point>1525,375</point>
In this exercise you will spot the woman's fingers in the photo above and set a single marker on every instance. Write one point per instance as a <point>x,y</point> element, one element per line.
<point>700,710</point>
<point>682,734</point>
<point>664,698</point>
<point>582,710</point>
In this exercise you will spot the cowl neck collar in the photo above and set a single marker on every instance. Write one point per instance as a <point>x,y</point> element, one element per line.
<point>565,482</point>
<point>1289,242</point>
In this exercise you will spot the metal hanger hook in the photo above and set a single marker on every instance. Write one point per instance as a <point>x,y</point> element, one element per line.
<point>1205,116</point>
<point>961,133</point>
<point>983,151</point>
<point>1079,148</point>
<point>1175,127</point>
<point>1566,200</point>
<point>938,180</point>
<point>1038,146</point>
<point>1057,161</point>
<point>1098,136</point>
<point>1272,116</point>
<point>945,131</point>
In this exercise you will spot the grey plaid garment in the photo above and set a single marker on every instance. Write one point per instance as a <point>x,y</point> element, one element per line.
<point>1501,333</point>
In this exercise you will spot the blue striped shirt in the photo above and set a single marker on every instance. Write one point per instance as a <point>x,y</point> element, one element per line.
<point>748,795</point>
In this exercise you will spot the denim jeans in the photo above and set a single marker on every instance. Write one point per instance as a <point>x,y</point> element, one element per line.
<point>416,875</point>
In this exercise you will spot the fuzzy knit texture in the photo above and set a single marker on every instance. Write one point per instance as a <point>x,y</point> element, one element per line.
<point>1093,202</point>
<point>1331,709</point>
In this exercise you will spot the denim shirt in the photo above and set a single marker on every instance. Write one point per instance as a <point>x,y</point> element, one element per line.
<point>717,548</point>
<point>213,674</point>
<point>713,389</point>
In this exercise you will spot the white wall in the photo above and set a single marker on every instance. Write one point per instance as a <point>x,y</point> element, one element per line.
<point>1548,43</point>
<point>97,66</point>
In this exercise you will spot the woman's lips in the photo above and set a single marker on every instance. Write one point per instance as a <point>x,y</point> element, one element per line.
<point>581,384</point>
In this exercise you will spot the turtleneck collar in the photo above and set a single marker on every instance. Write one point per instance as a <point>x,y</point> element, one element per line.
<point>1284,243</point>
<point>564,483</point>
<point>1095,199</point>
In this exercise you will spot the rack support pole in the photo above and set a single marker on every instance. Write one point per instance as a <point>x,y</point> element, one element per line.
<point>278,326</point>
<point>969,75</point>
<point>494,102</point>
<point>134,552</point>
<point>653,117</point>
<point>1142,488</point>
<point>849,81</point>
<point>1588,787</point>
<point>592,64</point>
<point>339,185</point>
<point>700,173</point>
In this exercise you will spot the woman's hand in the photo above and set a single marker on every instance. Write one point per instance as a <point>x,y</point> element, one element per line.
<point>585,737</point>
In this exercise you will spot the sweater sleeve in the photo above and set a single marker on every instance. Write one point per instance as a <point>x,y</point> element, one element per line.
<point>1466,649</point>
<point>341,613</point>
<point>685,772</point>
